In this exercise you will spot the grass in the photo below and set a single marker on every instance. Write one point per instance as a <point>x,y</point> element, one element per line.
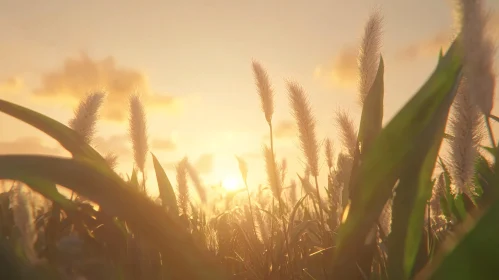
<point>395,208</point>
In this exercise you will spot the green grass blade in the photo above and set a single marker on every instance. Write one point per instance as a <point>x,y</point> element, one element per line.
<point>372,111</point>
<point>166,192</point>
<point>473,253</point>
<point>134,180</point>
<point>407,136</point>
<point>180,255</point>
<point>412,195</point>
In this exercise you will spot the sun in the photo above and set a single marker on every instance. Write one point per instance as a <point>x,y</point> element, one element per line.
<point>232,183</point>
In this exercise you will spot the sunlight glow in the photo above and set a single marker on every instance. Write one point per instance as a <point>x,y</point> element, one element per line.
<point>232,183</point>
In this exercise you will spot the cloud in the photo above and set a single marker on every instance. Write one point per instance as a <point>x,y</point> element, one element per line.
<point>118,145</point>
<point>11,85</point>
<point>29,145</point>
<point>442,40</point>
<point>251,155</point>
<point>171,166</point>
<point>204,164</point>
<point>164,144</point>
<point>342,70</point>
<point>427,47</point>
<point>80,75</point>
<point>285,129</point>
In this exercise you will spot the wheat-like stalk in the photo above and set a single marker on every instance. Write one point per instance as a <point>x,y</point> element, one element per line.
<point>435,209</point>
<point>328,147</point>
<point>369,53</point>
<point>86,115</point>
<point>467,128</point>
<point>112,160</point>
<point>138,131</point>
<point>283,168</point>
<point>272,172</point>
<point>182,187</point>
<point>306,126</point>
<point>347,131</point>
<point>264,90</point>
<point>479,53</point>
<point>23,219</point>
<point>385,218</point>
<point>196,181</point>
<point>292,193</point>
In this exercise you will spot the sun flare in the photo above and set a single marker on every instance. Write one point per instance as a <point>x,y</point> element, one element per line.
<point>232,183</point>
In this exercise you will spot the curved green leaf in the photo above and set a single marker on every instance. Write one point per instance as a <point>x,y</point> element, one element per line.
<point>473,253</point>
<point>166,192</point>
<point>372,112</point>
<point>180,255</point>
<point>405,141</point>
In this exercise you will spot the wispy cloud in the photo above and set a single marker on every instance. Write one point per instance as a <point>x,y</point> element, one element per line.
<point>11,85</point>
<point>165,144</point>
<point>426,47</point>
<point>285,129</point>
<point>116,144</point>
<point>29,145</point>
<point>80,75</point>
<point>204,164</point>
<point>342,70</point>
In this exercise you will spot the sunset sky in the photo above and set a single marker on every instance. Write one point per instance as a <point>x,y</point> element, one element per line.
<point>192,62</point>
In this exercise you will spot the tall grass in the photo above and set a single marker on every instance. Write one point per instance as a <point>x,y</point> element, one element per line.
<point>392,207</point>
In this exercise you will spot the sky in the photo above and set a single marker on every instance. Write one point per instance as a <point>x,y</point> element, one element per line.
<point>191,61</point>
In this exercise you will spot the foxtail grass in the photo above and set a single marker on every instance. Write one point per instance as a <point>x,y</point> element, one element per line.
<point>138,134</point>
<point>86,115</point>
<point>369,54</point>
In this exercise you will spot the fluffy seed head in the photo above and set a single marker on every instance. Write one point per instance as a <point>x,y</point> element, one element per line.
<point>479,52</point>
<point>272,172</point>
<point>243,168</point>
<point>329,153</point>
<point>85,116</point>
<point>369,54</point>
<point>196,181</point>
<point>467,128</point>
<point>182,187</point>
<point>23,219</point>
<point>348,132</point>
<point>138,131</point>
<point>112,160</point>
<point>264,90</point>
<point>306,126</point>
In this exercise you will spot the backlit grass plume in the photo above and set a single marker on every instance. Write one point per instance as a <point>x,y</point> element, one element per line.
<point>196,180</point>
<point>86,115</point>
<point>138,131</point>
<point>306,126</point>
<point>369,54</point>
<point>112,160</point>
<point>24,221</point>
<point>182,187</point>
<point>328,147</point>
<point>308,139</point>
<point>264,90</point>
<point>272,172</point>
<point>466,126</point>
<point>479,52</point>
<point>347,131</point>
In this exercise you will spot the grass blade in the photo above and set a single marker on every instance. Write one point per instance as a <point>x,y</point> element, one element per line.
<point>166,192</point>
<point>180,255</point>
<point>409,135</point>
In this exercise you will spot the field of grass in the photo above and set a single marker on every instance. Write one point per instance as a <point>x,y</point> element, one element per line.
<point>394,206</point>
